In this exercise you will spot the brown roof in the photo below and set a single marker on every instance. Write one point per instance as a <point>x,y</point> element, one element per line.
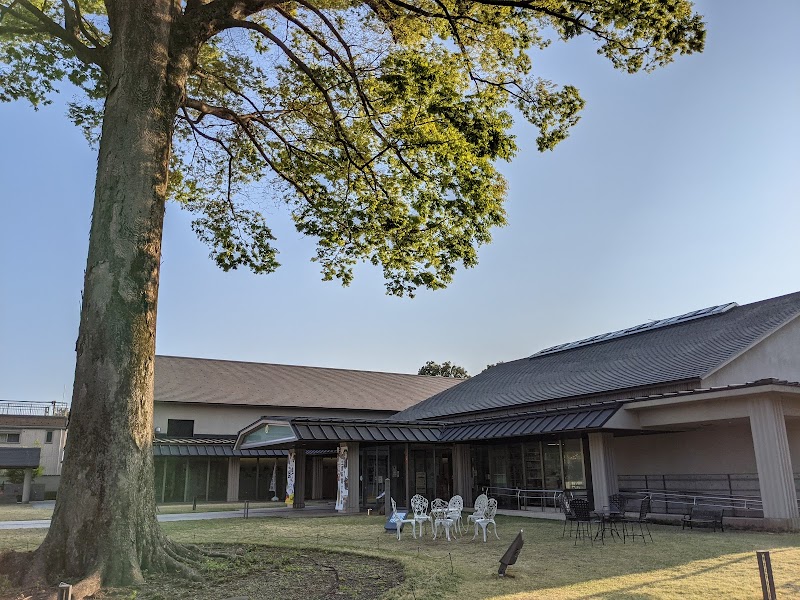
<point>33,421</point>
<point>206,381</point>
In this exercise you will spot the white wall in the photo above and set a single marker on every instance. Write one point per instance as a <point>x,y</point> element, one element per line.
<point>229,420</point>
<point>50,454</point>
<point>776,356</point>
<point>707,450</point>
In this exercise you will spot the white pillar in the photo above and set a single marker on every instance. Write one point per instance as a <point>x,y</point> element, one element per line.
<point>604,469</point>
<point>26,486</point>
<point>233,479</point>
<point>774,462</point>
<point>347,478</point>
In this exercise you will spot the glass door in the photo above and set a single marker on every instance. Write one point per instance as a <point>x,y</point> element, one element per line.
<point>553,475</point>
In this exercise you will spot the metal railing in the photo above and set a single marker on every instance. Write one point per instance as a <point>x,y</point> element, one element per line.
<point>542,499</point>
<point>683,501</point>
<point>34,409</point>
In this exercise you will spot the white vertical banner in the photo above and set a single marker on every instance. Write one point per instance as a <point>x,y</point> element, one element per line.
<point>273,484</point>
<point>290,478</point>
<point>341,479</point>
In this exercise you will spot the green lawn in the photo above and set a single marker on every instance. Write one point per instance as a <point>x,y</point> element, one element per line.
<point>690,564</point>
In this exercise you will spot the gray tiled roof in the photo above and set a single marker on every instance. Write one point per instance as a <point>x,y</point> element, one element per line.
<point>681,352</point>
<point>207,381</point>
<point>216,447</point>
<point>365,431</point>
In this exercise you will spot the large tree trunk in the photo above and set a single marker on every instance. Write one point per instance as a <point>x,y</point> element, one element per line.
<point>105,517</point>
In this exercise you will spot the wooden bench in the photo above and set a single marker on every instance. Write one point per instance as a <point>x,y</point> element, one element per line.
<point>703,516</point>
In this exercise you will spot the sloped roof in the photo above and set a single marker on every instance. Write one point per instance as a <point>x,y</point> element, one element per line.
<point>682,351</point>
<point>205,381</point>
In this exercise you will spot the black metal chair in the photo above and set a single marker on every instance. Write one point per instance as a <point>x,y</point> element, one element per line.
<point>583,519</point>
<point>641,519</point>
<point>563,504</point>
<point>617,503</point>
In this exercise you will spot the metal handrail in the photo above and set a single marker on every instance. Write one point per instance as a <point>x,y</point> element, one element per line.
<point>732,502</point>
<point>547,497</point>
<point>30,409</point>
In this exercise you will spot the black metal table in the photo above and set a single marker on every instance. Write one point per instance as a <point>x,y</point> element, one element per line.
<point>608,521</point>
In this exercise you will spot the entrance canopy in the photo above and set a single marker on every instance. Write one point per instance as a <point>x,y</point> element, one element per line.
<point>310,432</point>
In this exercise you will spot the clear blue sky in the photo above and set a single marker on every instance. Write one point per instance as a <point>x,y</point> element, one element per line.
<point>677,190</point>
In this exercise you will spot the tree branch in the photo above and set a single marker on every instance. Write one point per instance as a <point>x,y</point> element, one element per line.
<point>45,24</point>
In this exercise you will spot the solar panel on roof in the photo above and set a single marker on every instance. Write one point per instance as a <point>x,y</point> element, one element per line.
<point>696,314</point>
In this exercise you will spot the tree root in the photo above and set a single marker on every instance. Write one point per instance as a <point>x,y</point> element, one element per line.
<point>88,586</point>
<point>33,572</point>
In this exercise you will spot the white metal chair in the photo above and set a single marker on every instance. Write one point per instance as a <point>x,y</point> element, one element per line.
<point>400,521</point>
<point>454,508</point>
<point>487,519</point>
<point>439,516</point>
<point>479,508</point>
<point>419,505</point>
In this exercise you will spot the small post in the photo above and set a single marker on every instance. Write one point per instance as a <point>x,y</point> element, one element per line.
<point>247,509</point>
<point>64,591</point>
<point>194,504</point>
<point>765,570</point>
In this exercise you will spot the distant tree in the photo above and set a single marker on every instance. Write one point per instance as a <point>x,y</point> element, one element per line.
<point>492,365</point>
<point>18,475</point>
<point>446,369</point>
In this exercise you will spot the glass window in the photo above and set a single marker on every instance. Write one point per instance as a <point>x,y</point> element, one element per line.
<point>218,479</point>
<point>174,479</point>
<point>7,437</point>
<point>533,466</point>
<point>480,469</point>
<point>551,455</point>
<point>48,437</point>
<point>197,476</point>
<point>270,432</point>
<point>574,477</point>
<point>499,466</point>
<point>180,427</point>
<point>248,472</point>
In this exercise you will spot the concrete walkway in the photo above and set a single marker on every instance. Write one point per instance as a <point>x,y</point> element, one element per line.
<point>312,511</point>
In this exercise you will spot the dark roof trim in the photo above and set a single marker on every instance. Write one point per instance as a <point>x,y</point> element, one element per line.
<point>534,424</point>
<point>716,389</point>
<point>19,458</point>
<point>195,447</point>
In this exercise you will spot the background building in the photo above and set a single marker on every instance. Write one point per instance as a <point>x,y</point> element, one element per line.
<point>40,425</point>
<point>201,405</point>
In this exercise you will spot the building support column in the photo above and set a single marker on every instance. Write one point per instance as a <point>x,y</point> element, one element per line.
<point>347,478</point>
<point>299,478</point>
<point>462,473</point>
<point>316,478</point>
<point>26,486</point>
<point>233,479</point>
<point>604,469</point>
<point>774,463</point>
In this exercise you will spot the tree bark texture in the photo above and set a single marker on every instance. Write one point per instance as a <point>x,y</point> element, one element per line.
<point>104,522</point>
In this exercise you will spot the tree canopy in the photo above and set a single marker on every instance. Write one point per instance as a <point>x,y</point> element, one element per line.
<point>446,369</point>
<point>378,122</point>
